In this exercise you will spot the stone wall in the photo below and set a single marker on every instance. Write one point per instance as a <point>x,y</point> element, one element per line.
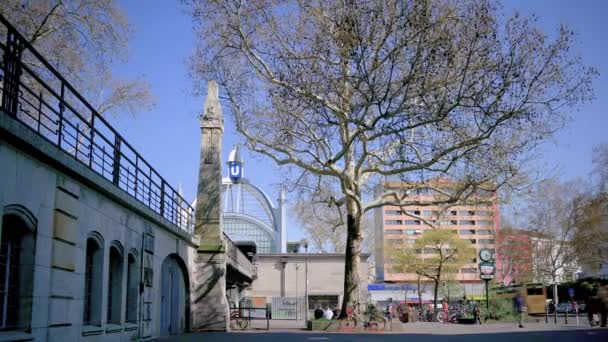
<point>325,276</point>
<point>70,202</point>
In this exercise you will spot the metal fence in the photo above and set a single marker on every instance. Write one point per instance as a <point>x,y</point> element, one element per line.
<point>34,93</point>
<point>288,308</point>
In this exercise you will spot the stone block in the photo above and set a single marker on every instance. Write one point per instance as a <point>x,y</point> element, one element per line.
<point>42,276</point>
<point>40,314</point>
<point>68,185</point>
<point>60,311</point>
<point>66,284</point>
<point>63,333</point>
<point>63,256</point>
<point>66,202</point>
<point>65,227</point>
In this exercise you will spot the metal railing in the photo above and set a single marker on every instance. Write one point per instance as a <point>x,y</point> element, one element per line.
<point>35,93</point>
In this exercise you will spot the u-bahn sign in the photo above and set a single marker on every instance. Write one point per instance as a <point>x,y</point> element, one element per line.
<point>486,270</point>
<point>235,170</point>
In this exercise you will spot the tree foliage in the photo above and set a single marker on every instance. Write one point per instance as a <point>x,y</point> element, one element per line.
<point>82,40</point>
<point>349,93</point>
<point>437,254</point>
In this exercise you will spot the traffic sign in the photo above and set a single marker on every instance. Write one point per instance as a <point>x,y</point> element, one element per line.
<point>571,292</point>
<point>486,270</point>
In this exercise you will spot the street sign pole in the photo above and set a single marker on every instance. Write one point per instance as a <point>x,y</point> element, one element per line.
<point>487,300</point>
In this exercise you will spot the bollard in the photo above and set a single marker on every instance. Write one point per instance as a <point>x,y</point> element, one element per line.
<point>577,316</point>
<point>567,315</point>
<point>555,315</point>
<point>546,314</point>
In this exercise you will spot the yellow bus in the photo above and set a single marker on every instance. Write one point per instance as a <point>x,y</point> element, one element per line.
<point>535,295</point>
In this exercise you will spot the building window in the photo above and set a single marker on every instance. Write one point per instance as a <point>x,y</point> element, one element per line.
<point>16,273</point>
<point>486,241</point>
<point>132,286</point>
<point>411,241</point>
<point>394,232</point>
<point>485,223</point>
<point>473,241</point>
<point>466,222</point>
<point>485,232</point>
<point>92,281</point>
<point>413,212</point>
<point>394,222</point>
<point>469,270</point>
<point>453,213</point>
<point>484,213</point>
<point>467,232</point>
<point>412,222</point>
<point>393,212</point>
<point>466,213</point>
<point>115,284</point>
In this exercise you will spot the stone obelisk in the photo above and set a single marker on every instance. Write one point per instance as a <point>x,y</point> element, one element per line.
<point>210,307</point>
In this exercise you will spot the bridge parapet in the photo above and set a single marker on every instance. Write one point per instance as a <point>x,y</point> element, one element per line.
<point>238,260</point>
<point>35,93</point>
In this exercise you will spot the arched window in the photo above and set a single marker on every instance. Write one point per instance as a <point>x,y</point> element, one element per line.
<point>17,250</point>
<point>93,278</point>
<point>132,287</point>
<point>115,284</point>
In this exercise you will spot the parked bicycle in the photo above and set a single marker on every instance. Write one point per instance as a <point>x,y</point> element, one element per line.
<point>452,315</point>
<point>236,321</point>
<point>369,319</point>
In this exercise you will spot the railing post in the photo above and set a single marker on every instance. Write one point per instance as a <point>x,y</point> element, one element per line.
<point>162,198</point>
<point>40,99</point>
<point>12,73</point>
<point>92,142</point>
<point>116,165</point>
<point>61,109</point>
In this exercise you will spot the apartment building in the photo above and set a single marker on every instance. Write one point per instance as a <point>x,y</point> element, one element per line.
<point>475,220</point>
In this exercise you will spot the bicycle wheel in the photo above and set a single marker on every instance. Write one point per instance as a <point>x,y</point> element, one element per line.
<point>442,316</point>
<point>372,325</point>
<point>242,323</point>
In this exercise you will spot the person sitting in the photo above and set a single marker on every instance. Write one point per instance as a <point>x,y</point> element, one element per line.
<point>328,314</point>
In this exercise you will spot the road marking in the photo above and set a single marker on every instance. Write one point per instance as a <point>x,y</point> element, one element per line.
<point>318,338</point>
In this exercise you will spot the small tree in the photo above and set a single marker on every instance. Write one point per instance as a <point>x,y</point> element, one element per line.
<point>436,255</point>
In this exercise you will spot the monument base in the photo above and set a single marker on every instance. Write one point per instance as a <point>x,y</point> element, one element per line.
<point>210,311</point>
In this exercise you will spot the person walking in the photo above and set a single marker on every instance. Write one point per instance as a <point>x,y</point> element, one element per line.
<point>520,307</point>
<point>477,313</point>
<point>602,294</point>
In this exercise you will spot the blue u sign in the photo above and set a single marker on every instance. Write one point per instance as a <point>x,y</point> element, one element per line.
<point>235,171</point>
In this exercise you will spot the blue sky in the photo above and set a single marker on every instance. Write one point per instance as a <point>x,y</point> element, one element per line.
<point>169,136</point>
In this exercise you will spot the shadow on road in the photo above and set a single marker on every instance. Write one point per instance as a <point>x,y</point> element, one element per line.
<point>592,334</point>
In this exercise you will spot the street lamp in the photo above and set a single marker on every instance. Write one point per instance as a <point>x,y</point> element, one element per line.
<point>297,298</point>
<point>304,243</point>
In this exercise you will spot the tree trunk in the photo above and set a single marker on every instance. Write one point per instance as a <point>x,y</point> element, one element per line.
<point>419,293</point>
<point>435,295</point>
<point>352,257</point>
<point>555,299</point>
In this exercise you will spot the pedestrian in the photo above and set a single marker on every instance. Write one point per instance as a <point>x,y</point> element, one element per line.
<point>328,314</point>
<point>602,294</point>
<point>477,313</point>
<point>551,307</point>
<point>520,306</point>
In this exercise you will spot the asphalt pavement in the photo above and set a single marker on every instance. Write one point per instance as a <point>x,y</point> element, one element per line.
<point>419,332</point>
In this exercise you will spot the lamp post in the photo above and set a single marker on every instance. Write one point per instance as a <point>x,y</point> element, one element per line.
<point>304,242</point>
<point>297,299</point>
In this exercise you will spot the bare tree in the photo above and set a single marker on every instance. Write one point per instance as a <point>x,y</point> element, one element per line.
<point>82,40</point>
<point>590,240</point>
<point>552,218</point>
<point>349,93</point>
<point>514,254</point>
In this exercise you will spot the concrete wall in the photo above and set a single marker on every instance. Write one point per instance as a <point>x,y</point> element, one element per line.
<point>69,202</point>
<point>325,276</point>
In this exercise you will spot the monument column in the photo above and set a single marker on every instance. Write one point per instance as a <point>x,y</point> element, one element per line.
<point>210,308</point>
